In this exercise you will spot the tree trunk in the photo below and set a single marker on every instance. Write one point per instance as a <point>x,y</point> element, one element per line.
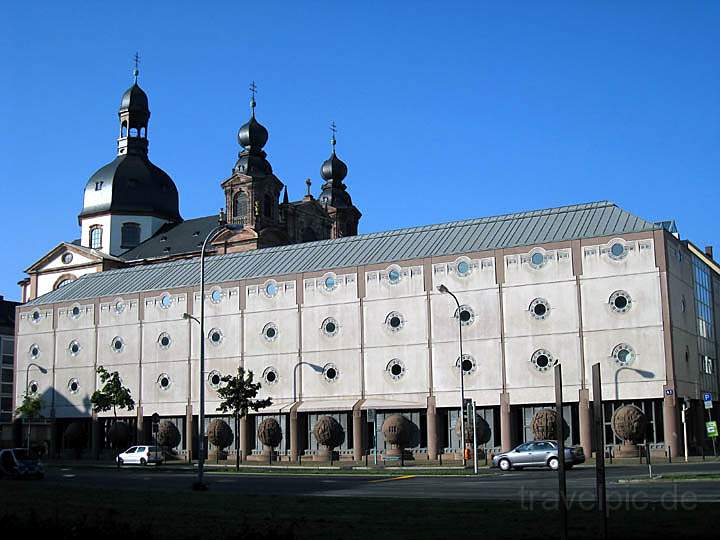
<point>237,443</point>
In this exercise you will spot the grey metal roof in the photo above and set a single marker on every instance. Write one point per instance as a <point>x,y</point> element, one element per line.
<point>174,239</point>
<point>524,228</point>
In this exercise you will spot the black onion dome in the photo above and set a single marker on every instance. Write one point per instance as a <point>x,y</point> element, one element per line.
<point>134,99</point>
<point>252,134</point>
<point>131,184</point>
<point>334,169</point>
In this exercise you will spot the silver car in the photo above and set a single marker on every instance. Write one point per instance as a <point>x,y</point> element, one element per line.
<point>538,454</point>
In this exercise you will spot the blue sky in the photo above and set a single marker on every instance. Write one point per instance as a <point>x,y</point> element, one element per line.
<point>445,110</point>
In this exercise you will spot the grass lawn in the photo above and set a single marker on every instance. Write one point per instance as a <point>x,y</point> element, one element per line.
<point>30,508</point>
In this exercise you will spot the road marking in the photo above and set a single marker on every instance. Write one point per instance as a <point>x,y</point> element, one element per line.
<point>68,476</point>
<point>391,479</point>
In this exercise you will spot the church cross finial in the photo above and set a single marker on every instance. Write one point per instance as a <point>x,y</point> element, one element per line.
<point>308,183</point>
<point>253,91</point>
<point>333,129</point>
<point>136,71</point>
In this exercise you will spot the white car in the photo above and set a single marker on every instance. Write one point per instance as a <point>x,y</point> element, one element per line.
<point>141,455</point>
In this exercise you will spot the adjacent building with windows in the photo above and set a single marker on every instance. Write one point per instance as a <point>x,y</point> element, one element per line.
<point>7,369</point>
<point>342,324</point>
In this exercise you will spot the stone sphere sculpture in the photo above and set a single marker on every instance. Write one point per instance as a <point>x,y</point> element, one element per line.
<point>168,435</point>
<point>329,434</point>
<point>75,437</point>
<point>270,434</point>
<point>629,424</point>
<point>221,436</point>
<point>483,430</point>
<point>545,424</point>
<point>119,435</point>
<point>398,431</point>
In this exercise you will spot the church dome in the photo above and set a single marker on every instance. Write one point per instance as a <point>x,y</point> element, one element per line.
<point>131,184</point>
<point>134,99</point>
<point>252,134</point>
<point>334,169</point>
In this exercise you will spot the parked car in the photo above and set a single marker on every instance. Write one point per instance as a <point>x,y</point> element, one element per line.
<point>538,454</point>
<point>20,463</point>
<point>141,455</point>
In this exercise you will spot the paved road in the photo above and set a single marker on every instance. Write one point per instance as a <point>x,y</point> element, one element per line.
<point>527,486</point>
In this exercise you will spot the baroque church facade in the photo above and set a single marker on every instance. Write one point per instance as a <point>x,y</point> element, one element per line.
<point>131,216</point>
<point>357,326</point>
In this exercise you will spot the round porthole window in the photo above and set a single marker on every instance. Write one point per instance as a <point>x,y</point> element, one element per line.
<point>539,309</point>
<point>617,251</point>
<point>164,340</point>
<point>117,344</point>
<point>73,386</point>
<point>466,314</point>
<point>67,257</point>
<point>330,372</point>
<point>214,379</point>
<point>620,301</point>
<point>35,317</point>
<point>270,331</point>
<point>163,381</point>
<point>33,388</point>
<point>623,354</point>
<point>119,307</point>
<point>74,348</point>
<point>537,259</point>
<point>467,363</point>
<point>34,351</point>
<point>394,275</point>
<point>463,267</point>
<point>75,312</point>
<point>270,289</point>
<point>394,321</point>
<point>216,296</point>
<point>330,327</point>
<point>395,369</point>
<point>166,301</point>
<point>330,282</point>
<point>270,375</point>
<point>543,360</point>
<point>215,336</point>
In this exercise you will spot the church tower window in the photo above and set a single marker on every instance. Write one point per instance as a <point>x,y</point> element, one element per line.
<point>96,237</point>
<point>130,235</point>
<point>239,208</point>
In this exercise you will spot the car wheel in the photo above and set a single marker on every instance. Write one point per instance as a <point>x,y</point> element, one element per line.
<point>553,463</point>
<point>504,465</point>
<point>142,461</point>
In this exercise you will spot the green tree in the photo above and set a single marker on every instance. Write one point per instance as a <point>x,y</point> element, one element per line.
<point>29,411</point>
<point>238,398</point>
<point>113,395</point>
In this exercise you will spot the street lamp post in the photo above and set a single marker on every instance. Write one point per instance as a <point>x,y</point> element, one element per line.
<point>443,289</point>
<point>27,384</point>
<point>199,485</point>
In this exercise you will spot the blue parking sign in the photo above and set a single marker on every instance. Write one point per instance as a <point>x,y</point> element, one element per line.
<point>707,396</point>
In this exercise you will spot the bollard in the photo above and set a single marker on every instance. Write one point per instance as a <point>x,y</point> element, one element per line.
<point>440,458</point>
<point>702,448</point>
<point>669,454</point>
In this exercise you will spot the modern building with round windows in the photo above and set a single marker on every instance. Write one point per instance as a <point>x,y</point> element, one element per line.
<point>336,323</point>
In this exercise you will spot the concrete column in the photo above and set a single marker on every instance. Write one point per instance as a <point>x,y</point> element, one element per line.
<point>358,429</point>
<point>294,435</point>
<point>140,426</point>
<point>670,425</point>
<point>94,436</point>
<point>432,439</point>
<point>505,425</point>
<point>585,422</point>
<point>244,437</point>
<point>189,431</point>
